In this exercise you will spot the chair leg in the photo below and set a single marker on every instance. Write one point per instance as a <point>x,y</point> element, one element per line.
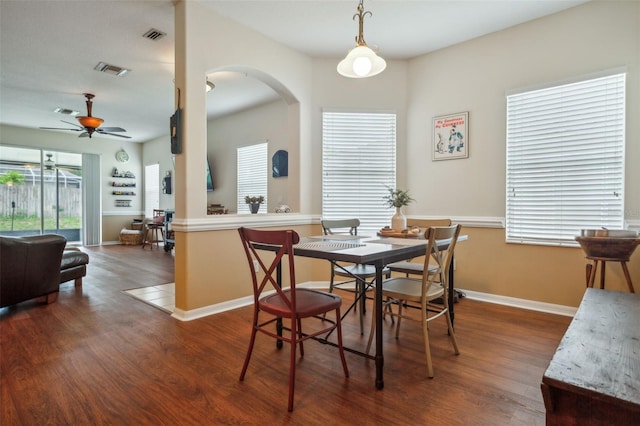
<point>425,334</point>
<point>361,292</point>
<point>340,347</point>
<point>372,330</point>
<point>292,360</point>
<point>400,304</point>
<point>252,340</point>
<point>452,334</point>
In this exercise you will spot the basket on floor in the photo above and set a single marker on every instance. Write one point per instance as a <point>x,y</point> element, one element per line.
<point>130,237</point>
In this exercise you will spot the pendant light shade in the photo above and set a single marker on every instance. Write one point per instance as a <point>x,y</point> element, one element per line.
<point>361,61</point>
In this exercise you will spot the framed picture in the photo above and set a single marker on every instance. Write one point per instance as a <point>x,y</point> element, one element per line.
<point>450,136</point>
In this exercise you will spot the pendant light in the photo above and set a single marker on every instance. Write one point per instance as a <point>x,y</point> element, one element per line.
<point>361,61</point>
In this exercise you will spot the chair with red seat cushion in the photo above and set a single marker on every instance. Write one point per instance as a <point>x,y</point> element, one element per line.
<point>292,303</point>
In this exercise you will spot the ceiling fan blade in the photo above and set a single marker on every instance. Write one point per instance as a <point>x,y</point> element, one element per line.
<point>59,128</point>
<point>84,135</point>
<point>73,124</point>
<point>110,129</point>
<point>113,134</point>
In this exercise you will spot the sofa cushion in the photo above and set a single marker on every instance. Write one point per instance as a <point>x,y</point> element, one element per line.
<point>71,258</point>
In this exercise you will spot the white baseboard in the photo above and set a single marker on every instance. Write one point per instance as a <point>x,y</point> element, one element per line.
<point>532,305</point>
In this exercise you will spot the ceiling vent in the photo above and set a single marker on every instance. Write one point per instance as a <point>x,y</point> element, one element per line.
<point>154,34</point>
<point>66,111</point>
<point>111,69</point>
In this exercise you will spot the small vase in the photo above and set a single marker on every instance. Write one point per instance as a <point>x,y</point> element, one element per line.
<point>254,207</point>
<point>398,221</point>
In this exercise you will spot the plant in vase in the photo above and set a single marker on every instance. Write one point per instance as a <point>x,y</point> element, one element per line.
<point>254,203</point>
<point>398,198</point>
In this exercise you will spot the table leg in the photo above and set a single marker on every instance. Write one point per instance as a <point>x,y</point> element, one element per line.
<point>379,330</point>
<point>602,271</point>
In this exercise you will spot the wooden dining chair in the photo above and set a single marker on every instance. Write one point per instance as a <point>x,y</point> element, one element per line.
<point>273,300</point>
<point>359,276</point>
<point>407,292</point>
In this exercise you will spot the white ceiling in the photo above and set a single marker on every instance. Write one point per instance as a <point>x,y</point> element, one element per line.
<point>48,49</point>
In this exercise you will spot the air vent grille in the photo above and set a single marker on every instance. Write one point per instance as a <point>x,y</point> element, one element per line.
<point>111,69</point>
<point>154,34</point>
<point>66,111</point>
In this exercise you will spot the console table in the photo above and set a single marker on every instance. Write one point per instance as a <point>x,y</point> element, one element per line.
<point>594,376</point>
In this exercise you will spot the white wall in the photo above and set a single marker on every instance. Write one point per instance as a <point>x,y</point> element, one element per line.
<point>385,92</point>
<point>105,147</point>
<point>226,134</point>
<point>158,151</point>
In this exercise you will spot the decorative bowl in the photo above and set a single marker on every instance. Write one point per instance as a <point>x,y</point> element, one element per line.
<point>612,244</point>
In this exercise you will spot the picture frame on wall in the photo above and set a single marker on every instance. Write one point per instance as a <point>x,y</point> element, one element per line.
<point>450,137</point>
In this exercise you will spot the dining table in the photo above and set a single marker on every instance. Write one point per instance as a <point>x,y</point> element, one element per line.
<point>378,251</point>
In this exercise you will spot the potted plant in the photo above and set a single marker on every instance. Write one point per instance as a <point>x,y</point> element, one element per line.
<point>254,203</point>
<point>398,198</point>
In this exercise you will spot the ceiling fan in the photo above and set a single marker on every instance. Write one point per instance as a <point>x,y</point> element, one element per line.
<point>89,124</point>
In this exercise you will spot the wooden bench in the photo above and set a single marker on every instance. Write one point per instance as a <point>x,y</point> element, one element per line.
<point>594,376</point>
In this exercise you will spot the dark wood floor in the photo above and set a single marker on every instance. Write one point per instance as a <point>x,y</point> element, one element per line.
<point>98,356</point>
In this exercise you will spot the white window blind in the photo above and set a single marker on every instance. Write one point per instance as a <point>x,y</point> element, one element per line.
<point>252,175</point>
<point>358,164</point>
<point>565,161</point>
<point>151,189</point>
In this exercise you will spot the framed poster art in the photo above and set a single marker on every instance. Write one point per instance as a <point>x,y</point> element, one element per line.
<point>450,136</point>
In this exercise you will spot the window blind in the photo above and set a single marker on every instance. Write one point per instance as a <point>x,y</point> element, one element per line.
<point>252,175</point>
<point>151,189</point>
<point>565,161</point>
<point>358,164</point>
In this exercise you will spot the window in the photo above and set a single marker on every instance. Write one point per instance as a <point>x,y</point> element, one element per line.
<point>358,165</point>
<point>565,160</point>
<point>151,189</point>
<point>252,174</point>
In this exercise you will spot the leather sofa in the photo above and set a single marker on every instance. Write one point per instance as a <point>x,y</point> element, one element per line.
<point>73,265</point>
<point>30,268</point>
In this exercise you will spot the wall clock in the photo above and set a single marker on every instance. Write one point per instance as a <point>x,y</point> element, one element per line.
<point>122,156</point>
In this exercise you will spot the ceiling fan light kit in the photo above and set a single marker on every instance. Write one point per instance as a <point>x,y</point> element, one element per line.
<point>361,61</point>
<point>90,124</point>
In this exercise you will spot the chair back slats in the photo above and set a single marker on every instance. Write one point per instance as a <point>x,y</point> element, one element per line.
<point>284,240</point>
<point>340,226</point>
<point>442,257</point>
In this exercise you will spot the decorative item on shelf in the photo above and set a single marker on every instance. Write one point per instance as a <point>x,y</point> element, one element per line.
<point>283,209</point>
<point>254,203</point>
<point>398,198</point>
<point>123,203</point>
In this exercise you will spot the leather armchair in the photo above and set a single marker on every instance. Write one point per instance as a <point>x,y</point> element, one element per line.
<point>30,268</point>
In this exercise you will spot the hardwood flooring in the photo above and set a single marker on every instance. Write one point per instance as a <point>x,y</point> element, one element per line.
<point>100,357</point>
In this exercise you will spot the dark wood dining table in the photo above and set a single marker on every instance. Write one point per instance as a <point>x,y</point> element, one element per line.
<point>376,251</point>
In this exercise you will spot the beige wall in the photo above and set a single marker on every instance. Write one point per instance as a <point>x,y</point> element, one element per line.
<point>475,77</point>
